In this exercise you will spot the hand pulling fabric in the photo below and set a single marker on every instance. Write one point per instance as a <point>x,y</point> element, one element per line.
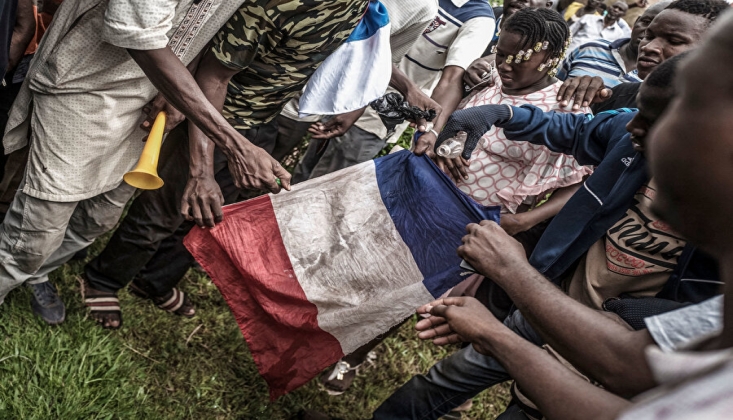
<point>475,122</point>
<point>393,110</point>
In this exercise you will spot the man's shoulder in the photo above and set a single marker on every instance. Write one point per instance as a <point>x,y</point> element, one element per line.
<point>624,96</point>
<point>622,23</point>
<point>596,44</point>
<point>470,10</point>
<point>590,18</point>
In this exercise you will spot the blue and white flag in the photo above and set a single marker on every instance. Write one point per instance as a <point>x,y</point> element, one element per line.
<point>357,73</point>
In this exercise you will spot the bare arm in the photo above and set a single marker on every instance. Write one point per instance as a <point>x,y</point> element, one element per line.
<point>414,96</point>
<point>159,103</point>
<point>520,222</point>
<point>474,75</point>
<point>251,166</point>
<point>558,392</point>
<point>25,27</point>
<point>174,81</point>
<point>448,93</point>
<point>339,124</point>
<point>608,352</point>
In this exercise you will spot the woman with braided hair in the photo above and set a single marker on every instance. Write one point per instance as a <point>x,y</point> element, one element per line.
<point>518,175</point>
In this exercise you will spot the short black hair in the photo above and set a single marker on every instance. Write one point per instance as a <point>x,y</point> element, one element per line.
<point>663,75</point>
<point>539,25</point>
<point>709,9</point>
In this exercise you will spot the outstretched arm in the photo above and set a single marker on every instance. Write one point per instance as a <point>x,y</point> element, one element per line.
<point>609,352</point>
<point>584,137</point>
<point>558,392</point>
<point>520,222</point>
<point>448,94</point>
<point>176,83</point>
<point>339,124</point>
<point>414,96</point>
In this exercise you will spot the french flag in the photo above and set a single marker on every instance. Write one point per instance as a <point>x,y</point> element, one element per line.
<point>315,273</point>
<point>357,73</point>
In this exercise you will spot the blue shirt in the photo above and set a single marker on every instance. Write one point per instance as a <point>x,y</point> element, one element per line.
<point>602,141</point>
<point>598,58</point>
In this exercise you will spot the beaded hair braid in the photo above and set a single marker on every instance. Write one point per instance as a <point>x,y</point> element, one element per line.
<point>541,30</point>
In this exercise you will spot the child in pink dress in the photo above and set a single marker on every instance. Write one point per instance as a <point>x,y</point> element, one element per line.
<point>518,175</point>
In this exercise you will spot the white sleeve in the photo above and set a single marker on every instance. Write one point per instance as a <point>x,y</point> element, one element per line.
<point>472,40</point>
<point>575,27</point>
<point>402,41</point>
<point>138,24</point>
<point>675,329</point>
<point>625,27</point>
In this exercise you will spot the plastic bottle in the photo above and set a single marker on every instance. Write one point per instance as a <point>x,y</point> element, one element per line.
<point>453,147</point>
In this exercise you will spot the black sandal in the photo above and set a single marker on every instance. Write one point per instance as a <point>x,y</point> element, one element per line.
<point>174,301</point>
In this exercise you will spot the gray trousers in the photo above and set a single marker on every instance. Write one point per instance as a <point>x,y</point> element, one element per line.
<point>38,236</point>
<point>452,381</point>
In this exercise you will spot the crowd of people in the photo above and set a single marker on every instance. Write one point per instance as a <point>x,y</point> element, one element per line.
<point>600,293</point>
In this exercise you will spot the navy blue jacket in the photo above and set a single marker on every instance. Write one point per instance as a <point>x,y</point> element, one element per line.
<point>604,198</point>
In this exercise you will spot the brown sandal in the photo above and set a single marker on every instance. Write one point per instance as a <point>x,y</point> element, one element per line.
<point>104,307</point>
<point>174,301</point>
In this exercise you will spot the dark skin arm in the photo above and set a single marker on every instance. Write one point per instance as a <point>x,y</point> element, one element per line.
<point>50,6</point>
<point>520,222</point>
<point>473,78</point>
<point>257,171</point>
<point>416,97</point>
<point>176,84</point>
<point>558,392</point>
<point>173,115</point>
<point>448,93</point>
<point>25,27</point>
<point>251,166</point>
<point>609,352</point>
<point>583,90</point>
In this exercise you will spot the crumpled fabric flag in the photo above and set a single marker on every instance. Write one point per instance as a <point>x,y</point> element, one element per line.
<point>315,273</point>
<point>357,73</point>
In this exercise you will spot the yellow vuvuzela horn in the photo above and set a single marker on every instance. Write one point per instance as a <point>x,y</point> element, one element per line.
<point>145,175</point>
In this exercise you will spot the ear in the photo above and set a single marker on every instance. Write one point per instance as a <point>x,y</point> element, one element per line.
<point>548,4</point>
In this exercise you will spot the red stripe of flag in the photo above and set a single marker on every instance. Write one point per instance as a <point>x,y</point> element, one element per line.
<point>247,260</point>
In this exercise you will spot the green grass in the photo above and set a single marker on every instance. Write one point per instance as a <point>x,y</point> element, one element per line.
<point>160,366</point>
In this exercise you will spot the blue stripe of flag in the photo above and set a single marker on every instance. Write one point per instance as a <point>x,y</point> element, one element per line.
<point>375,18</point>
<point>430,213</point>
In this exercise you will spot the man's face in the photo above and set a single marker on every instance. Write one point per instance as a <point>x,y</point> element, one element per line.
<point>671,33</point>
<point>637,32</point>
<point>595,4</point>
<point>691,147</point>
<point>651,102</point>
<point>618,10</point>
<point>512,6</point>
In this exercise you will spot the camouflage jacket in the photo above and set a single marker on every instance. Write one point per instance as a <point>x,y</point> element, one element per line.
<point>277,45</point>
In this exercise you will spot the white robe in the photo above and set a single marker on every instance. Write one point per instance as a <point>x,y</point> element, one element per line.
<point>83,94</point>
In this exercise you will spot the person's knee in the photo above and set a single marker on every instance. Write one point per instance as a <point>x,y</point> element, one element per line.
<point>29,254</point>
<point>32,230</point>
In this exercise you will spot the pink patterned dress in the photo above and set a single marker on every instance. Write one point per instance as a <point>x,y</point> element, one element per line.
<point>509,173</point>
